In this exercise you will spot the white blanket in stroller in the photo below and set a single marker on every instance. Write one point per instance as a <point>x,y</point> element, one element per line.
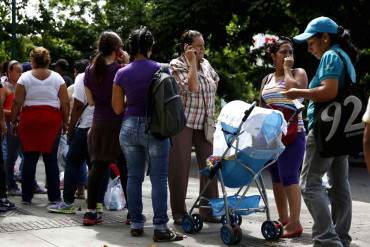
<point>262,129</point>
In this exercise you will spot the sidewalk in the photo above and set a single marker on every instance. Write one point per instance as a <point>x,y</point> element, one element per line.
<point>32,226</point>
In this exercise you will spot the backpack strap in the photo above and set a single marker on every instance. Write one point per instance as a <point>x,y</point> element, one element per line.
<point>165,67</point>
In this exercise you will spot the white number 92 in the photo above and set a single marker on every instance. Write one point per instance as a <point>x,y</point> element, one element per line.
<point>350,126</point>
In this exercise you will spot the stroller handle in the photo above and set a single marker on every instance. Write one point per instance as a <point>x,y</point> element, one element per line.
<point>248,111</point>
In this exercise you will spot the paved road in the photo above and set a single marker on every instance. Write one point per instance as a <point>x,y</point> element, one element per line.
<point>33,226</point>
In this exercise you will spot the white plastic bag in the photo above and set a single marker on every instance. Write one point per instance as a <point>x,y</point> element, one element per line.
<point>114,198</point>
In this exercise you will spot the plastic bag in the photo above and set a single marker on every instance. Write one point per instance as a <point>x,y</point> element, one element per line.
<point>114,198</point>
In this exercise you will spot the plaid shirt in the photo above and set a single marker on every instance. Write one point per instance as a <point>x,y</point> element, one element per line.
<point>193,102</point>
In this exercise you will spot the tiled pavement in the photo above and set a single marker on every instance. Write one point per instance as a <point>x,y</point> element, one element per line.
<point>33,226</point>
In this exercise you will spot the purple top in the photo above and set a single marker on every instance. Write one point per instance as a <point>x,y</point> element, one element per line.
<point>102,94</point>
<point>135,80</point>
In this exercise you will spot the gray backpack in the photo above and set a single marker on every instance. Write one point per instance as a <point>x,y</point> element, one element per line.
<point>165,104</point>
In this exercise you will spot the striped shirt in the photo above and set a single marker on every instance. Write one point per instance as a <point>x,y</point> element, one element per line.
<point>271,95</point>
<point>194,106</point>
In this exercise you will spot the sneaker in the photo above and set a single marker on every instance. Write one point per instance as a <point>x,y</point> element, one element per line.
<point>50,203</point>
<point>62,208</point>
<point>6,205</point>
<point>99,208</point>
<point>14,192</point>
<point>38,190</point>
<point>91,218</point>
<point>167,236</point>
<point>137,232</point>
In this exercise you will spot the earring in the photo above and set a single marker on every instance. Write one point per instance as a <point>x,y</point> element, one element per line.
<point>325,40</point>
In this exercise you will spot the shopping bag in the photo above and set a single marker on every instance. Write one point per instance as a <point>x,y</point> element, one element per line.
<point>338,125</point>
<point>114,198</point>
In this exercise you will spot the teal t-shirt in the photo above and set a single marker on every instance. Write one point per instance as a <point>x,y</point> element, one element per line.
<point>331,66</point>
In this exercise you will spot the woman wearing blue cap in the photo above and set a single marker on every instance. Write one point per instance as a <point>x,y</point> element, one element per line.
<point>326,40</point>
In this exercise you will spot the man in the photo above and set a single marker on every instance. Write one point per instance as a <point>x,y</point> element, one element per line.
<point>61,66</point>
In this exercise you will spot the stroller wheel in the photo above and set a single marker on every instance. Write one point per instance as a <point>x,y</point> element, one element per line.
<point>187,224</point>
<point>235,218</point>
<point>238,234</point>
<point>270,230</point>
<point>227,235</point>
<point>198,222</point>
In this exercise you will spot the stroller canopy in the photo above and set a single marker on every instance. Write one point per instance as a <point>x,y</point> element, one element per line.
<point>256,143</point>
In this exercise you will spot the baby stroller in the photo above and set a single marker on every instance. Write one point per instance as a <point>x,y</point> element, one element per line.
<point>246,142</point>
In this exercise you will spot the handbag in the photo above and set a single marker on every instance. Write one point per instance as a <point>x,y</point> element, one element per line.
<point>338,126</point>
<point>209,125</point>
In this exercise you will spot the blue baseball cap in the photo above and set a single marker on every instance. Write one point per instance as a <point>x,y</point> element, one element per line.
<point>318,25</point>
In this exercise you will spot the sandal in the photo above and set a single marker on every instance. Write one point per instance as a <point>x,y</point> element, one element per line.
<point>295,234</point>
<point>167,236</point>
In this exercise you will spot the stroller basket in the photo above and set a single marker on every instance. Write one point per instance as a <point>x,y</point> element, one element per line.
<point>245,206</point>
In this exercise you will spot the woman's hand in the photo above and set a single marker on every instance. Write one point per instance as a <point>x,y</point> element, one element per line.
<point>288,62</point>
<point>190,54</point>
<point>293,93</point>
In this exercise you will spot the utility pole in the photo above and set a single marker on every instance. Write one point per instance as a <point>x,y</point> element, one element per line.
<point>14,53</point>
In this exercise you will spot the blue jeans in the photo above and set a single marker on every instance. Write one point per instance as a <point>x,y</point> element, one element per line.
<point>141,148</point>
<point>75,164</point>
<point>51,170</point>
<point>11,148</point>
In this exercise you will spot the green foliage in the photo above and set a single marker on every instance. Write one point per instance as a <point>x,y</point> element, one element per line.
<point>69,29</point>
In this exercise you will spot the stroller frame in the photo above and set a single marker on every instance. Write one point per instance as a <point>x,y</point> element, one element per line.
<point>236,221</point>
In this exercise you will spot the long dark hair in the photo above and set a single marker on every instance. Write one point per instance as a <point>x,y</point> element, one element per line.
<point>108,42</point>
<point>343,39</point>
<point>140,41</point>
<point>187,37</point>
<point>273,47</point>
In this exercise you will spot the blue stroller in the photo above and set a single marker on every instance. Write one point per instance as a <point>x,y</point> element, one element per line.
<point>246,142</point>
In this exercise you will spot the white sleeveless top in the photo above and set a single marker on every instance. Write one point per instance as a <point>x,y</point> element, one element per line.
<point>41,92</point>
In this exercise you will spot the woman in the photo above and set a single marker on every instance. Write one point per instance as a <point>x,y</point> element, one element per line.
<point>325,40</point>
<point>138,145</point>
<point>198,83</point>
<point>41,101</point>
<point>12,145</point>
<point>285,172</point>
<point>5,204</point>
<point>103,137</point>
